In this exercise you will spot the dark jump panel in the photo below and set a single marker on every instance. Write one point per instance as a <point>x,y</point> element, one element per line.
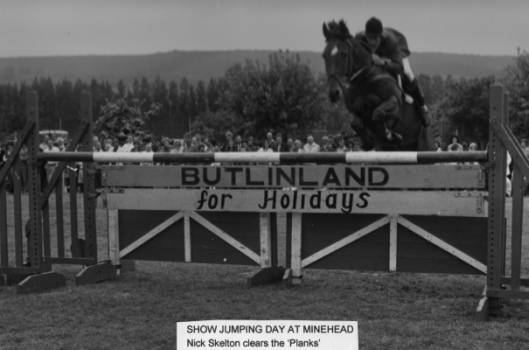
<point>370,252</point>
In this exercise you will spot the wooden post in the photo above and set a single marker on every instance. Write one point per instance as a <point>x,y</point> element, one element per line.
<point>4,258</point>
<point>17,211</point>
<point>281,242</point>
<point>393,225</point>
<point>113,236</point>
<point>59,214</point>
<point>518,188</point>
<point>74,235</point>
<point>497,178</point>
<point>35,219</point>
<point>187,237</point>
<point>269,273</point>
<point>89,190</point>
<point>295,257</point>
<point>265,240</point>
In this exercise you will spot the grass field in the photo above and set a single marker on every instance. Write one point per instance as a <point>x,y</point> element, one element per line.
<point>139,310</point>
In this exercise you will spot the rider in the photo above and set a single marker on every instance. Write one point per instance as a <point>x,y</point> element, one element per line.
<point>390,50</point>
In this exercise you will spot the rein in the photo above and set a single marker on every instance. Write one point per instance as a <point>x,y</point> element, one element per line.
<point>354,75</point>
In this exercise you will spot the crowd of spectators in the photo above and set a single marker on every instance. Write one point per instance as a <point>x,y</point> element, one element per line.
<point>236,143</point>
<point>229,143</point>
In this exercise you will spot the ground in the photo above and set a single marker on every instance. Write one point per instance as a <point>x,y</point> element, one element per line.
<point>139,310</point>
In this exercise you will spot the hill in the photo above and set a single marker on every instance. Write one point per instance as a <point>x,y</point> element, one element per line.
<point>203,65</point>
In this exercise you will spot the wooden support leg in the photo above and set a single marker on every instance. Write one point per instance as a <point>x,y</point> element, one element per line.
<point>482,311</point>
<point>103,271</point>
<point>41,282</point>
<point>268,273</point>
<point>296,269</point>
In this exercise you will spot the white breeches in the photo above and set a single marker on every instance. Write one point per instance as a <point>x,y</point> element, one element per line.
<point>407,69</point>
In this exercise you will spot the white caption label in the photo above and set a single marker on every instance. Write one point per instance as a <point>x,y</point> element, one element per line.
<point>257,335</point>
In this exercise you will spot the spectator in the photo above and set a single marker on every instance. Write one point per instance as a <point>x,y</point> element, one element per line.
<point>266,147</point>
<point>525,147</point>
<point>137,147</point>
<point>311,146</point>
<point>251,144</point>
<point>198,138</point>
<point>290,145</point>
<point>437,146</point>
<point>472,147</point>
<point>238,144</point>
<point>9,150</point>
<point>455,146</point>
<point>194,146</point>
<point>3,156</point>
<point>97,144</point>
<point>326,144</point>
<point>51,146</point>
<point>125,143</point>
<point>156,146</point>
<point>355,145</point>
<point>207,144</point>
<point>44,145</point>
<point>229,144</point>
<point>297,147</point>
<point>215,147</point>
<point>269,137</point>
<point>342,148</point>
<point>177,147</point>
<point>147,148</point>
<point>278,144</point>
<point>108,146</point>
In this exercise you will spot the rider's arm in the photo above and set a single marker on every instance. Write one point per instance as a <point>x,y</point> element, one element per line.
<point>393,56</point>
<point>393,63</point>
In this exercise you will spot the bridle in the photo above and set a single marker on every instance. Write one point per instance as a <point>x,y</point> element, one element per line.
<point>351,74</point>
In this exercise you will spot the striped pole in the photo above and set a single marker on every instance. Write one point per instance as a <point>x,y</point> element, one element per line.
<point>268,157</point>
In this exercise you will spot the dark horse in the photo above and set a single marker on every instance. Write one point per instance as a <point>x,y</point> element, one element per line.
<point>371,94</point>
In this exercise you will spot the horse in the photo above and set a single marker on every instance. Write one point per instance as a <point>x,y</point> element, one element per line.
<point>381,117</point>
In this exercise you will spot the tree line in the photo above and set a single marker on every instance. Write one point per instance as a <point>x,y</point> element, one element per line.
<point>252,97</point>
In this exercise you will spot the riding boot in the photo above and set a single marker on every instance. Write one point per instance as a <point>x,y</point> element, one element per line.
<point>413,88</point>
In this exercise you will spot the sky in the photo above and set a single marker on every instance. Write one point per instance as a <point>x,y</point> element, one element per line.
<point>81,27</point>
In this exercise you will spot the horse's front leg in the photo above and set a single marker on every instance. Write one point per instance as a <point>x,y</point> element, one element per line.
<point>360,130</point>
<point>357,123</point>
<point>388,112</point>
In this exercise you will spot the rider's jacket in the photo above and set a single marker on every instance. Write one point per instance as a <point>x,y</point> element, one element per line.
<point>393,47</point>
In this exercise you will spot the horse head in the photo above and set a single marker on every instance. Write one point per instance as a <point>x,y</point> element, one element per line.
<point>344,56</point>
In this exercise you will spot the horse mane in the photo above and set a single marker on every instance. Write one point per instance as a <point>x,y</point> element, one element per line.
<point>336,30</point>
